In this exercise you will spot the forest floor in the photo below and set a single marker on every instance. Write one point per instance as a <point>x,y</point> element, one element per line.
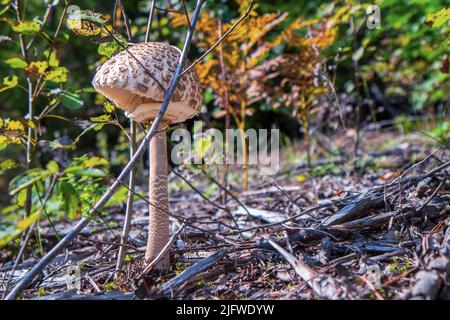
<point>372,227</point>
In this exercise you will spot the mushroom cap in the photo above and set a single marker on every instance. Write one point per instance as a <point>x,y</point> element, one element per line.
<point>125,81</point>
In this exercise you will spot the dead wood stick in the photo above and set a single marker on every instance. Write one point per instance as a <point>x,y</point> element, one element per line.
<point>204,277</point>
<point>374,198</point>
<point>360,205</point>
<point>367,222</point>
<point>176,284</point>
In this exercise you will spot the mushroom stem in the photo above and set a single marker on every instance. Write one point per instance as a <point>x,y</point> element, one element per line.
<point>158,228</point>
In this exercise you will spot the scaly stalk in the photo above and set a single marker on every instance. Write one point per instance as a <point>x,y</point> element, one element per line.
<point>158,228</point>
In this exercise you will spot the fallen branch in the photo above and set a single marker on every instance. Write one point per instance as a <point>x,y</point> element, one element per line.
<point>375,197</point>
<point>367,222</point>
<point>357,207</point>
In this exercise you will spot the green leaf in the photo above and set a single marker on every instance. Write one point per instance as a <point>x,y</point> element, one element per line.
<point>202,145</point>
<point>102,119</point>
<point>71,100</point>
<point>52,167</point>
<point>57,75</point>
<point>87,90</point>
<point>439,18</point>
<point>87,15</point>
<point>119,197</point>
<point>8,164</point>
<point>27,179</point>
<point>69,198</point>
<point>108,49</point>
<point>4,9</point>
<point>12,233</point>
<point>9,83</point>
<point>109,107</point>
<point>16,63</point>
<point>21,198</point>
<point>94,162</point>
<point>52,59</point>
<point>96,127</point>
<point>302,177</point>
<point>27,27</point>
<point>56,144</point>
<point>91,172</point>
<point>357,55</point>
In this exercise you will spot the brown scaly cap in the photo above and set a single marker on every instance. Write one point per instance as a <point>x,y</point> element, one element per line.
<point>124,81</point>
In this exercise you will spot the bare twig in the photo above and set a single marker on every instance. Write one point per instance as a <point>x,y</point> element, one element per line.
<point>205,197</point>
<point>125,19</point>
<point>149,19</point>
<point>225,101</point>
<point>186,12</point>
<point>225,189</point>
<point>247,12</point>
<point>130,196</point>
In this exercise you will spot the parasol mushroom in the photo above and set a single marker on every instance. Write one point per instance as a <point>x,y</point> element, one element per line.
<point>134,79</point>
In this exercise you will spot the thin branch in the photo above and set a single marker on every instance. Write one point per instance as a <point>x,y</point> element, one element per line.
<point>225,189</point>
<point>149,20</point>
<point>130,198</point>
<point>125,20</point>
<point>205,197</point>
<point>168,10</point>
<point>186,12</point>
<point>225,101</point>
<point>247,12</point>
